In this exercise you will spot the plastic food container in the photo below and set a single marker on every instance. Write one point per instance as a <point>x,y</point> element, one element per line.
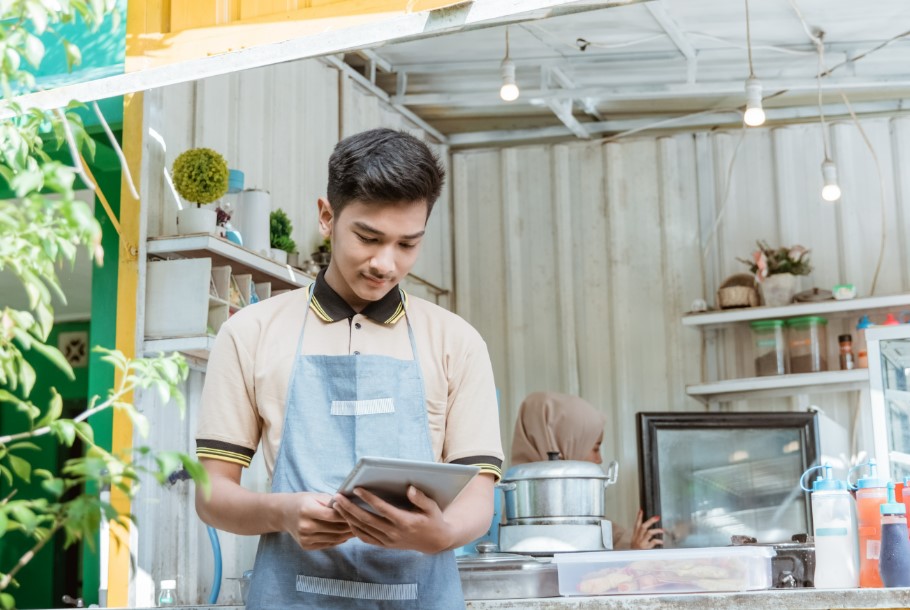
<point>665,571</point>
<point>770,347</point>
<point>808,344</point>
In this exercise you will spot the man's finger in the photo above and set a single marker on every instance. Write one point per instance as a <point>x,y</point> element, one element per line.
<point>421,500</point>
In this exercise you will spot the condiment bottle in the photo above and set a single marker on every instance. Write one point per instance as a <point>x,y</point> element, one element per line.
<point>166,593</point>
<point>890,320</point>
<point>862,355</point>
<point>871,493</point>
<point>847,361</point>
<point>834,528</point>
<point>894,563</point>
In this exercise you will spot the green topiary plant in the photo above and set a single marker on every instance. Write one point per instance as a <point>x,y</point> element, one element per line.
<point>280,232</point>
<point>200,175</point>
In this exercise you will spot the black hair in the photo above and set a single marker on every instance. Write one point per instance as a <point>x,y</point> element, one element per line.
<point>383,166</point>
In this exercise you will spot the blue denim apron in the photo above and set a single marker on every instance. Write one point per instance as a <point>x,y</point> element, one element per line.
<point>340,408</point>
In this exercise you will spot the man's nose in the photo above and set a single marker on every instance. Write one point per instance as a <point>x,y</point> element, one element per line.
<point>383,262</point>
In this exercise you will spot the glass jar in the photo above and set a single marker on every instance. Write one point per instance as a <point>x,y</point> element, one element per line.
<point>807,344</point>
<point>770,347</point>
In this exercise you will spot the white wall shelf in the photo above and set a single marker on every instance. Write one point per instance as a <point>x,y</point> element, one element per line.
<point>224,252</point>
<point>750,314</point>
<point>197,347</point>
<point>779,385</point>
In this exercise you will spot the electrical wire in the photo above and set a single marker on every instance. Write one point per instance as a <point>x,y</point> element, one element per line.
<point>739,45</point>
<point>881,182</point>
<point>726,197</point>
<point>749,40</point>
<point>819,45</point>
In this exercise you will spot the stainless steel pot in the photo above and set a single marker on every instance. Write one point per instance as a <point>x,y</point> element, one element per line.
<point>493,575</point>
<point>556,488</point>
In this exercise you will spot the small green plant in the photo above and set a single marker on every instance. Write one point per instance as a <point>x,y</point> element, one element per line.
<point>280,232</point>
<point>200,175</point>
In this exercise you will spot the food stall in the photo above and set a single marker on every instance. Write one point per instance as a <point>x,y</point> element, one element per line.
<point>588,230</point>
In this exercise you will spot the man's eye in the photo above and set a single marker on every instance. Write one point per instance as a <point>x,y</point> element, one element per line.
<point>366,240</point>
<point>408,246</point>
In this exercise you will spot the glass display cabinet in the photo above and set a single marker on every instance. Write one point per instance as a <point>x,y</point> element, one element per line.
<point>889,396</point>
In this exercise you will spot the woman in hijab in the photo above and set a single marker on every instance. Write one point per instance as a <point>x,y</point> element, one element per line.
<point>547,422</point>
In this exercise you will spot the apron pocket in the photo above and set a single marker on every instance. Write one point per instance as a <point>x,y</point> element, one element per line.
<point>356,590</point>
<point>363,407</point>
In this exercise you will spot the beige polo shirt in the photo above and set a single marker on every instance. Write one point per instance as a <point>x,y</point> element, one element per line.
<point>243,400</point>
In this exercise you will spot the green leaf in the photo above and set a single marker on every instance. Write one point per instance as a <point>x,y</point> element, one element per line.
<point>65,431</point>
<point>38,15</point>
<point>85,431</point>
<point>6,474</point>
<point>54,486</point>
<point>34,50</point>
<point>140,421</point>
<point>55,409</point>
<point>27,377</point>
<point>7,601</point>
<point>54,355</point>
<point>21,467</point>
<point>4,523</point>
<point>73,55</point>
<point>24,445</point>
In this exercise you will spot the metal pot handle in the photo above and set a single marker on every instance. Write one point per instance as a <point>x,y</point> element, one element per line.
<point>507,486</point>
<point>612,473</point>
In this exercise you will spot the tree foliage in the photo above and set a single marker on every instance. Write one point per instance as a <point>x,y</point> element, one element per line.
<point>42,228</point>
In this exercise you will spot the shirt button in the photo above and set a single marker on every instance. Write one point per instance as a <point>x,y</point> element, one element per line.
<point>356,353</point>
<point>357,325</point>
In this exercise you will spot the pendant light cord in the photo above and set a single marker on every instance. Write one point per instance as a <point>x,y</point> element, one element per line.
<point>818,81</point>
<point>749,41</point>
<point>507,44</point>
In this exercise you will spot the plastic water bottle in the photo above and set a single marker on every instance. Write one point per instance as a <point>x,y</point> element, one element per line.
<point>167,593</point>
<point>834,528</point>
<point>894,562</point>
<point>871,493</point>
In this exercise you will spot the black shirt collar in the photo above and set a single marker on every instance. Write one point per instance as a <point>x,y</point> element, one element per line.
<point>330,307</point>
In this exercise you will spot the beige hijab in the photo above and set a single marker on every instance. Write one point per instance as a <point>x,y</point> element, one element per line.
<point>548,421</point>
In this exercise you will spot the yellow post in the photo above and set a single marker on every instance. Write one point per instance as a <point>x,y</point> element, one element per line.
<point>127,293</point>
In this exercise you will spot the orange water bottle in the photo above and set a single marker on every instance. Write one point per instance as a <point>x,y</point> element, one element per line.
<point>871,493</point>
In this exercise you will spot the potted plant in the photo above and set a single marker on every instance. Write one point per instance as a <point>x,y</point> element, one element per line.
<point>200,177</point>
<point>323,253</point>
<point>775,270</point>
<point>280,236</point>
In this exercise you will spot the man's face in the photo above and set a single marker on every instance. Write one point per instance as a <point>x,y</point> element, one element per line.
<point>373,247</point>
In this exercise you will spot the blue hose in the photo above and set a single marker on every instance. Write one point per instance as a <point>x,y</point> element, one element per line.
<point>216,551</point>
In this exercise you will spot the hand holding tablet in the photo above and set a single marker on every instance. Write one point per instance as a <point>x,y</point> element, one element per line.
<point>389,478</point>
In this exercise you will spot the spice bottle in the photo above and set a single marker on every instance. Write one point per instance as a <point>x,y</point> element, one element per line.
<point>894,563</point>
<point>847,361</point>
<point>166,593</point>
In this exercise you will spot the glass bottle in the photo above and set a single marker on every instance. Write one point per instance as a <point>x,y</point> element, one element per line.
<point>847,362</point>
<point>167,593</point>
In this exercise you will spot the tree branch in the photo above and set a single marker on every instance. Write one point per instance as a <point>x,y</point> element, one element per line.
<point>23,561</point>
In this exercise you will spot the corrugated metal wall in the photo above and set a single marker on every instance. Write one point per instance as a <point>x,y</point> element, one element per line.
<point>577,261</point>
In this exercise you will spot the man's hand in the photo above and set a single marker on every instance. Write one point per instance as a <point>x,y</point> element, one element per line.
<point>315,526</point>
<point>646,535</point>
<point>422,528</point>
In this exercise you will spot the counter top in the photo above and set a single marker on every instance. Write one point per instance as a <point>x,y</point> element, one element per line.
<point>774,599</point>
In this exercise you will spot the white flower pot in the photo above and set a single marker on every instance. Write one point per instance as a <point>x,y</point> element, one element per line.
<point>196,220</point>
<point>279,256</point>
<point>778,289</point>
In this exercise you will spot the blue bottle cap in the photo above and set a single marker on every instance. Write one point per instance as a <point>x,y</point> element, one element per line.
<point>827,482</point>
<point>864,323</point>
<point>891,507</point>
<point>872,480</point>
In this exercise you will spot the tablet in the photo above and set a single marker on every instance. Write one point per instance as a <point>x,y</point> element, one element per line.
<point>389,479</point>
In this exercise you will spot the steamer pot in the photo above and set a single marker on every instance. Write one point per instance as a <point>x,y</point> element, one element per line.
<point>556,488</point>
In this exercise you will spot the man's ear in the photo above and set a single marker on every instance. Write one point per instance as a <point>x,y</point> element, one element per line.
<point>326,217</point>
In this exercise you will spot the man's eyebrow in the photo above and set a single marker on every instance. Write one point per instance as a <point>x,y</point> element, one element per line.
<point>368,229</point>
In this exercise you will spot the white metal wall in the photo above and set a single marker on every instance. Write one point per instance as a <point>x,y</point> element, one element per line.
<point>278,125</point>
<point>576,261</point>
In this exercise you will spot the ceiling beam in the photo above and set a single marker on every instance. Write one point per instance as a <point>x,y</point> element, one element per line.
<point>663,19</point>
<point>609,93</point>
<point>376,31</point>
<point>666,122</point>
<point>563,111</point>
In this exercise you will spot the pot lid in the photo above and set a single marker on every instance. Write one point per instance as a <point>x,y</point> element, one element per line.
<point>489,558</point>
<point>555,469</point>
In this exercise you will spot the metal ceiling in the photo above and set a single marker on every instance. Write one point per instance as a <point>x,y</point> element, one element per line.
<point>648,64</point>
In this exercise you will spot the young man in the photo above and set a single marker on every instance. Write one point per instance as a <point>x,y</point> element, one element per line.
<point>352,366</point>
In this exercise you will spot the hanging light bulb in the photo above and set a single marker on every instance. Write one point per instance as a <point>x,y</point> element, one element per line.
<point>755,115</point>
<point>831,190</point>
<point>509,91</point>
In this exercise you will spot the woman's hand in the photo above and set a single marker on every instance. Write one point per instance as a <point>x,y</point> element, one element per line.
<point>421,528</point>
<point>646,535</point>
